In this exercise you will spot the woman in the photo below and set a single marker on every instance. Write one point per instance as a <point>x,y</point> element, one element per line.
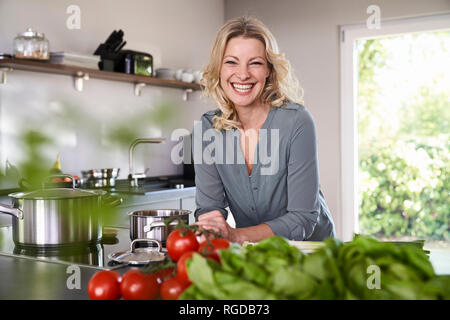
<point>256,93</point>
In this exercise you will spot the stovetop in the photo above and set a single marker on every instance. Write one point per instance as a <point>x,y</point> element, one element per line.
<point>145,186</point>
<point>93,257</point>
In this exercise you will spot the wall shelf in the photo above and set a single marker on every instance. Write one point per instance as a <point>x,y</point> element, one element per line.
<point>80,74</point>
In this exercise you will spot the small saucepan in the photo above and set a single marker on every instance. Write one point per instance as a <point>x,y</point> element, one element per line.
<point>100,178</point>
<point>150,224</point>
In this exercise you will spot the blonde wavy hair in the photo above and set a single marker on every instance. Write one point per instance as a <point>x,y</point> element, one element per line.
<point>281,85</point>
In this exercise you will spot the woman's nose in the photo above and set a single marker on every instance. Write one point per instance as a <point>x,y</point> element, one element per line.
<point>243,73</point>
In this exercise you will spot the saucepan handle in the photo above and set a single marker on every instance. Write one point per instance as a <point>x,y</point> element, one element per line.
<point>160,224</point>
<point>16,212</point>
<point>133,243</point>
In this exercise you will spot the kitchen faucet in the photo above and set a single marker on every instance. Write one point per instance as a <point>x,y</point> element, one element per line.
<point>134,177</point>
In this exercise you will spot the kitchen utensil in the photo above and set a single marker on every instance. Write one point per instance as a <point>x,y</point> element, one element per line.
<point>149,224</point>
<point>178,74</point>
<point>198,76</point>
<point>165,73</point>
<point>75,59</point>
<point>31,45</point>
<point>100,178</point>
<point>134,62</point>
<point>57,216</point>
<point>138,256</point>
<point>187,77</point>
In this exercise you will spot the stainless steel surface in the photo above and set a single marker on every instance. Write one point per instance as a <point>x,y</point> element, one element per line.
<point>90,256</point>
<point>11,210</point>
<point>139,256</point>
<point>86,255</point>
<point>149,224</point>
<point>56,217</point>
<point>100,178</point>
<point>134,177</point>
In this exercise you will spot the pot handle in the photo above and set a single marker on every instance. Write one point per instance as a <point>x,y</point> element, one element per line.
<point>16,212</point>
<point>133,243</point>
<point>158,224</point>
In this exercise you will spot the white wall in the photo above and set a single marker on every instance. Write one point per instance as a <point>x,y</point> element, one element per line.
<point>177,33</point>
<point>308,32</point>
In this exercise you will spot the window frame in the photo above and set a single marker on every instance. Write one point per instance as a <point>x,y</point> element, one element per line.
<point>349,34</point>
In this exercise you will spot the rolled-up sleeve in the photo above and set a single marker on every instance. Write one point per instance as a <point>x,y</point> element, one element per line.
<point>210,193</point>
<point>303,205</point>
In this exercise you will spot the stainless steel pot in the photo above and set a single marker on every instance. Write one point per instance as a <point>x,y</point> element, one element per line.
<point>150,224</point>
<point>57,217</point>
<point>100,178</point>
<point>90,255</point>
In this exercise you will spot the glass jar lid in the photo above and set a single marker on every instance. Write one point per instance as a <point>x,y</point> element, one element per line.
<point>30,33</point>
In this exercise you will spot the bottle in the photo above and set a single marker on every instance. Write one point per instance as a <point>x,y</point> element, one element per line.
<point>56,168</point>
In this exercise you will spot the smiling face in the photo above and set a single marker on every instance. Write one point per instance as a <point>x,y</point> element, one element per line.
<point>244,71</point>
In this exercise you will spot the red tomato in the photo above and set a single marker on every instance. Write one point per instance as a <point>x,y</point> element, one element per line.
<point>164,274</point>
<point>182,274</point>
<point>104,285</point>
<point>211,250</point>
<point>136,285</point>
<point>172,288</point>
<point>177,244</point>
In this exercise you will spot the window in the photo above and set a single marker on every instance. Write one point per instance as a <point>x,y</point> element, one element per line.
<point>395,130</point>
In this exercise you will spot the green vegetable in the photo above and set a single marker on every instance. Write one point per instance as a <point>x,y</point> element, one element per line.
<point>364,268</point>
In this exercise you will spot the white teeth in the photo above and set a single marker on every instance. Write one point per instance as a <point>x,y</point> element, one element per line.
<point>242,88</point>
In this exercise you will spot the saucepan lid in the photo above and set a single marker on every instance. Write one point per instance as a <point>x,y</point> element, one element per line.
<point>57,194</point>
<point>139,256</point>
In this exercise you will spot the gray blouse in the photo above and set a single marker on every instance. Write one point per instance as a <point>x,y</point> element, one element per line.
<point>283,189</point>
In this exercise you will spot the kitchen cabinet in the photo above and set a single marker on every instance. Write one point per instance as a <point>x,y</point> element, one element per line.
<point>189,204</point>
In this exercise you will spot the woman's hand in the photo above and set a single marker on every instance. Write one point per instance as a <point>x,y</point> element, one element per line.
<point>215,221</point>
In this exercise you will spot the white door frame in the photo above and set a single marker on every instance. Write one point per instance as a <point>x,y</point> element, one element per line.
<point>349,223</point>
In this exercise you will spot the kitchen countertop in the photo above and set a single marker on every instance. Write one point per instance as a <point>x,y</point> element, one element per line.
<point>24,278</point>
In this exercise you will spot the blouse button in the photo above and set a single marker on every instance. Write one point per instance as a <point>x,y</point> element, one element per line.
<point>255,188</point>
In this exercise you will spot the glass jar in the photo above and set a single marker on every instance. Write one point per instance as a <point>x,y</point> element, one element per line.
<point>31,45</point>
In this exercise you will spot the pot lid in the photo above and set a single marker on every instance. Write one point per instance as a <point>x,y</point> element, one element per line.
<point>57,194</point>
<point>139,256</point>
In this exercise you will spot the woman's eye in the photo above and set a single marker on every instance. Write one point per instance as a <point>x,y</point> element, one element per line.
<point>230,62</point>
<point>258,63</point>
